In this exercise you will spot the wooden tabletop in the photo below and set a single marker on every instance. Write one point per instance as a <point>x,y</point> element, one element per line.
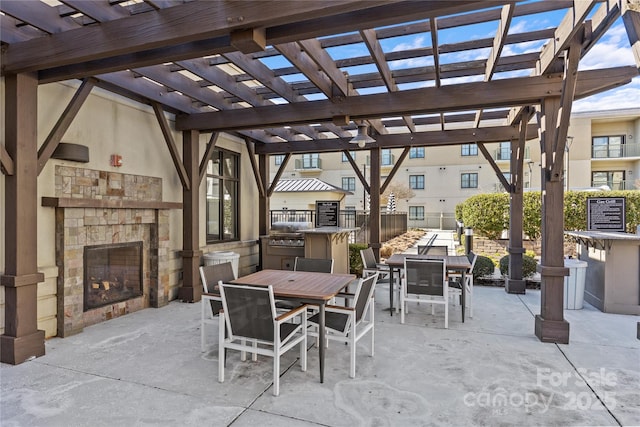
<point>299,284</point>
<point>452,261</point>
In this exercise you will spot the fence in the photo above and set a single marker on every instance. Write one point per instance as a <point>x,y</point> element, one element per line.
<point>391,224</point>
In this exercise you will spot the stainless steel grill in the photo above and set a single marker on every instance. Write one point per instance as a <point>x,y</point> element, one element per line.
<point>288,234</point>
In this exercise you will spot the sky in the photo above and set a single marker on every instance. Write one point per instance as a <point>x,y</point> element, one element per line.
<point>612,50</point>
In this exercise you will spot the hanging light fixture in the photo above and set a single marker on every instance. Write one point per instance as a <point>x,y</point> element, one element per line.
<point>362,138</point>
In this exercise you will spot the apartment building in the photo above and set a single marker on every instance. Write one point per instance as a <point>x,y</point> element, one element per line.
<point>602,151</point>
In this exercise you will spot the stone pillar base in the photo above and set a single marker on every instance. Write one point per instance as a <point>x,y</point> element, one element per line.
<point>15,350</point>
<point>515,286</point>
<point>555,331</point>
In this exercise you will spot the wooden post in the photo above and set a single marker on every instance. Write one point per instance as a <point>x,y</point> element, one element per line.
<point>515,283</point>
<point>374,212</point>
<point>263,201</point>
<point>21,339</point>
<point>191,290</point>
<point>550,325</point>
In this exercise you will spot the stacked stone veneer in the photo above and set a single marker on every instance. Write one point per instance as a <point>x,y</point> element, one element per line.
<point>79,227</point>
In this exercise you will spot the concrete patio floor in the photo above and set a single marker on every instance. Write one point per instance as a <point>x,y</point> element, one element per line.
<point>146,369</point>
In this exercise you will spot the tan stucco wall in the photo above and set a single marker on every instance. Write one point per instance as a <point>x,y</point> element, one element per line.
<point>109,124</point>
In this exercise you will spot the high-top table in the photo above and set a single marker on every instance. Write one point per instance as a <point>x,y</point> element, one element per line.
<point>457,263</point>
<point>308,287</point>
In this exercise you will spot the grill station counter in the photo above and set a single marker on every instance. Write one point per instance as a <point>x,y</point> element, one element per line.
<point>288,240</point>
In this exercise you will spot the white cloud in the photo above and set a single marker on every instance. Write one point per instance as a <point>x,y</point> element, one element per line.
<point>624,97</point>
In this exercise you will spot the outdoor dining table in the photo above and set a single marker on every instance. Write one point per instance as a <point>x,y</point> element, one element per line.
<point>307,287</point>
<point>454,263</point>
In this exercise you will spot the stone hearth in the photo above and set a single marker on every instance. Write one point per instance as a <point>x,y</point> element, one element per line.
<point>97,208</point>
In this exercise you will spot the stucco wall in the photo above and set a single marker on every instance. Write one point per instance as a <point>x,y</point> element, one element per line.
<point>109,124</point>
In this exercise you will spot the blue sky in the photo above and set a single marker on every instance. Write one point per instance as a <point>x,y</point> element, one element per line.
<point>612,50</point>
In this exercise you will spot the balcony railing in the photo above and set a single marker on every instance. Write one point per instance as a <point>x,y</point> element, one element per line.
<point>385,160</point>
<point>308,163</point>
<point>614,151</point>
<point>617,185</point>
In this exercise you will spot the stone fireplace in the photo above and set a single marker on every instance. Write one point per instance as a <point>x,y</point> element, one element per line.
<point>96,212</point>
<point>112,273</point>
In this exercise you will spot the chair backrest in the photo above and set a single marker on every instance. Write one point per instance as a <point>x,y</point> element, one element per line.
<point>249,311</point>
<point>472,259</point>
<point>317,265</point>
<point>433,250</point>
<point>425,276</point>
<point>368,258</point>
<point>364,292</point>
<point>212,274</point>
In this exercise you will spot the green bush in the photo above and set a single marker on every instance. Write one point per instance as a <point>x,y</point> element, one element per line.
<point>528,265</point>
<point>488,214</point>
<point>484,266</point>
<point>355,260</point>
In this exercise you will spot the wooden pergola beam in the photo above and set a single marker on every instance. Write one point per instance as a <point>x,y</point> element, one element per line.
<point>498,93</point>
<point>62,125</point>
<point>171,145</point>
<point>418,139</point>
<point>6,161</point>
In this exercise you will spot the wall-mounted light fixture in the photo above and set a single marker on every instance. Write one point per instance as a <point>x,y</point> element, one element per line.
<point>362,138</point>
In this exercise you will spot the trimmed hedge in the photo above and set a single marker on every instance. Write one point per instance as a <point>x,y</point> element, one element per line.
<point>484,267</point>
<point>488,214</point>
<point>528,265</point>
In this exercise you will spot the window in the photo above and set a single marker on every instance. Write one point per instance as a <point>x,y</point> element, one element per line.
<point>607,146</point>
<point>504,152</point>
<point>469,150</point>
<point>311,161</point>
<point>344,156</point>
<point>349,183</point>
<point>469,180</point>
<point>614,179</point>
<point>386,157</point>
<point>416,182</point>
<point>416,153</point>
<point>278,159</point>
<point>416,212</point>
<point>223,184</point>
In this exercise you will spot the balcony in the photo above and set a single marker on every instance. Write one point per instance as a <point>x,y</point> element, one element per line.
<point>386,160</point>
<point>308,164</point>
<point>627,184</point>
<point>615,151</point>
<point>504,153</point>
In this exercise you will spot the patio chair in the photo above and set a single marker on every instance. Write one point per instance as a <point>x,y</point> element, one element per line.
<point>371,266</point>
<point>455,287</point>
<point>313,264</point>
<point>211,302</point>
<point>433,250</point>
<point>425,281</point>
<point>253,325</point>
<point>350,324</point>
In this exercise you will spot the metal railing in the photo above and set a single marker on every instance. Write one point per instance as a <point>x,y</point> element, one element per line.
<point>614,151</point>
<point>617,185</point>
<point>308,163</point>
<point>391,224</point>
<point>504,153</point>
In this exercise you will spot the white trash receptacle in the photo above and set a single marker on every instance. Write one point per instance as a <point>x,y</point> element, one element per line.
<point>219,257</point>
<point>574,284</point>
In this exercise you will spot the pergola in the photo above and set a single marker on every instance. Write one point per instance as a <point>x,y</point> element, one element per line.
<point>294,76</point>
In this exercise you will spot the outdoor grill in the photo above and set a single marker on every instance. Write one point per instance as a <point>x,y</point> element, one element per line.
<point>288,233</point>
<point>284,243</point>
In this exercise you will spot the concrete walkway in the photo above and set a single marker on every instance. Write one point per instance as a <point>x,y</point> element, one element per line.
<point>146,369</point>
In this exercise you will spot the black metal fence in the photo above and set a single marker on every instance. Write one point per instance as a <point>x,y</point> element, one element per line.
<point>391,224</point>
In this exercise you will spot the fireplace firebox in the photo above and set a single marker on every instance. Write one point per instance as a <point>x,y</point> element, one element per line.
<point>112,273</point>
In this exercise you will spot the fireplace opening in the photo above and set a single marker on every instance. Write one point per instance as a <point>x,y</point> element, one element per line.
<point>112,273</point>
